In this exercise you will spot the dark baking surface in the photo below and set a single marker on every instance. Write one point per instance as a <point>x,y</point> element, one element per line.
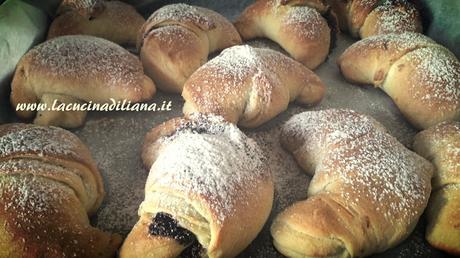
<point>115,139</point>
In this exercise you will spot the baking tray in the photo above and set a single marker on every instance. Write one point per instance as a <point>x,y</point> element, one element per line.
<point>115,140</point>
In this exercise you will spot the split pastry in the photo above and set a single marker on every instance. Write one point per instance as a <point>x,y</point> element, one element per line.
<point>365,18</point>
<point>112,20</point>
<point>441,145</point>
<point>367,192</point>
<point>49,184</point>
<point>178,38</point>
<point>76,69</point>
<point>208,193</point>
<point>296,25</point>
<point>422,77</point>
<point>250,86</point>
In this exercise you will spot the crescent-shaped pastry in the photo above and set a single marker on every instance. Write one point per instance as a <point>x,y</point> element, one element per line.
<point>76,69</point>
<point>205,176</point>
<point>250,86</point>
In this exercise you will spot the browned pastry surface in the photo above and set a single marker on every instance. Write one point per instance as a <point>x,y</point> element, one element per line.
<point>295,25</point>
<point>209,191</point>
<point>250,86</point>
<point>422,77</point>
<point>367,192</point>
<point>441,145</point>
<point>112,20</point>
<point>49,184</point>
<point>74,69</point>
<point>393,16</point>
<point>365,18</point>
<point>177,39</point>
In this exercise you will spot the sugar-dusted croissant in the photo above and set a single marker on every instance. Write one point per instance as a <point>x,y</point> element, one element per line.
<point>76,69</point>
<point>113,20</point>
<point>365,18</point>
<point>48,185</point>
<point>250,86</point>
<point>441,145</point>
<point>367,192</point>
<point>209,191</point>
<point>178,38</point>
<point>422,77</point>
<point>296,25</point>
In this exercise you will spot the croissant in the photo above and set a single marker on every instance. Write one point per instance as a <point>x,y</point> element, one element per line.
<point>250,86</point>
<point>441,144</point>
<point>76,69</point>
<point>365,18</point>
<point>208,193</point>
<point>296,25</point>
<point>367,192</point>
<point>49,184</point>
<point>178,38</point>
<point>422,77</point>
<point>112,20</point>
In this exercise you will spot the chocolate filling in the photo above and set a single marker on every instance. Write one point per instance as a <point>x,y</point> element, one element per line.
<point>164,225</point>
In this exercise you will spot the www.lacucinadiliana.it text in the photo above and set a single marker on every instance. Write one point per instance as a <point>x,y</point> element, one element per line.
<point>112,105</point>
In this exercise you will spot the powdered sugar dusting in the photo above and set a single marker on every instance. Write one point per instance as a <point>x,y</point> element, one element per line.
<point>306,21</point>
<point>81,56</point>
<point>84,7</point>
<point>368,164</point>
<point>217,162</point>
<point>181,35</point>
<point>402,43</point>
<point>37,139</point>
<point>397,17</point>
<point>451,160</point>
<point>28,204</point>
<point>233,70</point>
<point>182,13</point>
<point>237,62</point>
<point>32,196</point>
<point>439,72</point>
<point>441,144</point>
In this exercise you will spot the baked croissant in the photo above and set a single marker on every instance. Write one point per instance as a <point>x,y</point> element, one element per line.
<point>365,18</point>
<point>441,145</point>
<point>422,77</point>
<point>367,192</point>
<point>250,86</point>
<point>112,20</point>
<point>178,38</point>
<point>296,25</point>
<point>49,184</point>
<point>74,70</point>
<point>208,193</point>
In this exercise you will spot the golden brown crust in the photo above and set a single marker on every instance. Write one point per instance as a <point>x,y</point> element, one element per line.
<point>441,144</point>
<point>170,65</point>
<point>421,76</point>
<point>48,186</point>
<point>84,68</point>
<point>83,7</point>
<point>112,20</point>
<point>365,18</point>
<point>141,244</point>
<point>178,38</point>
<point>392,17</point>
<point>367,193</point>
<point>250,86</point>
<point>205,194</point>
<point>357,14</point>
<point>53,145</point>
<point>295,25</point>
